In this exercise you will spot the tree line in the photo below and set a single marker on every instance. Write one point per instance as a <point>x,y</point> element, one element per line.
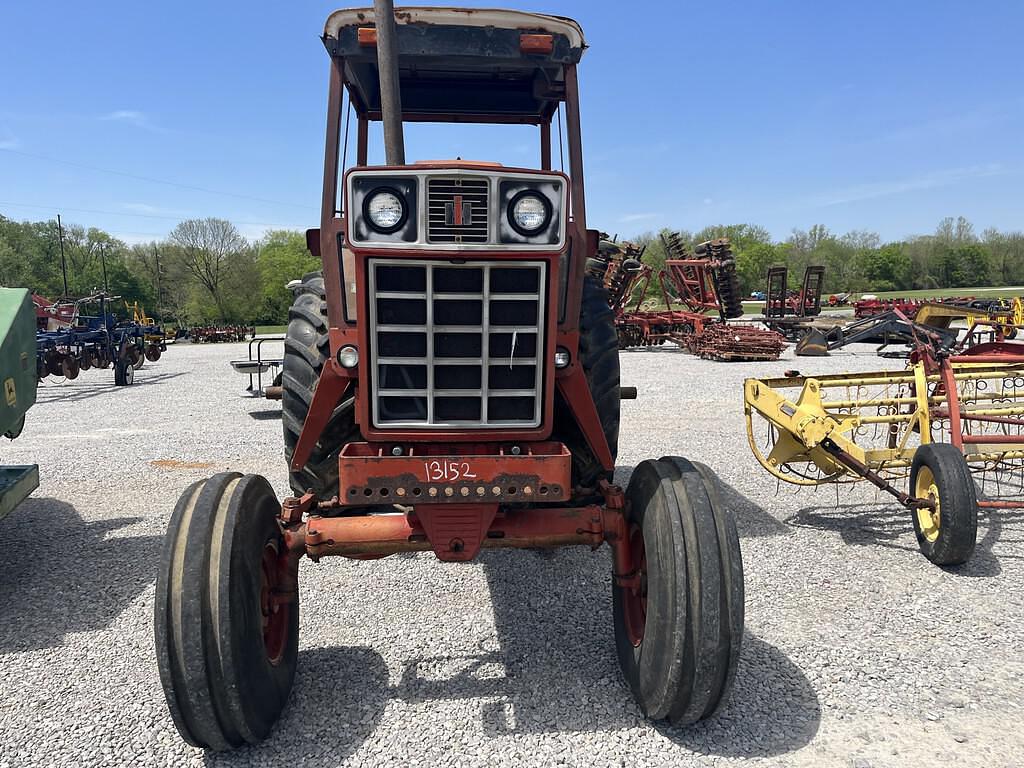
<point>205,271</point>
<point>954,256</point>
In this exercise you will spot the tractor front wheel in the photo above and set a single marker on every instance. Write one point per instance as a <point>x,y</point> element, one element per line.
<point>226,620</point>
<point>679,627</point>
<point>946,533</point>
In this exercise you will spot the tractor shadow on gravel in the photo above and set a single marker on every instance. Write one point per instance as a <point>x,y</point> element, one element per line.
<point>889,525</point>
<point>61,574</point>
<point>71,392</point>
<point>554,668</point>
<point>324,721</point>
<point>270,414</point>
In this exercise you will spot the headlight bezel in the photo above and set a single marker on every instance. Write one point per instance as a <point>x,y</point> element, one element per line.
<point>519,197</point>
<point>381,190</point>
<point>414,234</point>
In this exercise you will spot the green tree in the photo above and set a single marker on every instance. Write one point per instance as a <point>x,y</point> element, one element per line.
<point>282,257</point>
<point>1007,255</point>
<point>752,264</point>
<point>887,268</point>
<point>975,265</point>
<point>210,250</point>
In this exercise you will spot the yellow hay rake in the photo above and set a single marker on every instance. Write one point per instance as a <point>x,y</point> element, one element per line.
<point>952,425</point>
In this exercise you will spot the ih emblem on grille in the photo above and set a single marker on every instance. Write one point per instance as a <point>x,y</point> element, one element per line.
<point>458,213</point>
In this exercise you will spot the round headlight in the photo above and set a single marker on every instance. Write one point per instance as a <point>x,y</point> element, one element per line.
<point>385,210</point>
<point>529,213</point>
<point>348,356</point>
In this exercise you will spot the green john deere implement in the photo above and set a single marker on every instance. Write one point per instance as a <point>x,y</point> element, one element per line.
<point>18,375</point>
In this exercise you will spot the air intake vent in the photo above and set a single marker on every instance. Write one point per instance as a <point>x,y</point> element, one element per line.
<point>457,210</point>
<point>456,345</point>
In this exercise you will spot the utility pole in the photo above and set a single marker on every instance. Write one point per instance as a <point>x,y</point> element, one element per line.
<point>103,261</point>
<point>63,263</point>
<point>159,293</point>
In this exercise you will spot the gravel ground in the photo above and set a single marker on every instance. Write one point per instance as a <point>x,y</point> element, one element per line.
<point>858,652</point>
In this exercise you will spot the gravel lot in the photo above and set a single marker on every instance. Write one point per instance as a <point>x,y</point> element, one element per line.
<point>858,651</point>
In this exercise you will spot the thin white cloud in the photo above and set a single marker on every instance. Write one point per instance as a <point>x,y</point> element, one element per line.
<point>931,180</point>
<point>155,210</point>
<point>137,238</point>
<point>253,232</point>
<point>637,217</point>
<point>130,116</point>
<point>10,143</point>
<point>955,125</point>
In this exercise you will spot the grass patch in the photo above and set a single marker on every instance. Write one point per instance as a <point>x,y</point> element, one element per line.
<point>1008,292</point>
<point>265,330</point>
<point>940,293</point>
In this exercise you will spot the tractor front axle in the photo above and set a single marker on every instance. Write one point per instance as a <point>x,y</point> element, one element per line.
<point>455,532</point>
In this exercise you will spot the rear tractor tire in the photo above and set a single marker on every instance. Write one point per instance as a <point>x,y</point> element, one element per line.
<point>947,534</point>
<point>599,357</point>
<point>306,350</point>
<point>227,644</point>
<point>678,633</point>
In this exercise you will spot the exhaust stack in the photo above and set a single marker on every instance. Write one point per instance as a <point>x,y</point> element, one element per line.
<point>387,67</point>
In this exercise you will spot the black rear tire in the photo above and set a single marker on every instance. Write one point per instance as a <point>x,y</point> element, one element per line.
<point>225,682</point>
<point>679,635</point>
<point>599,357</point>
<point>306,349</point>
<point>939,471</point>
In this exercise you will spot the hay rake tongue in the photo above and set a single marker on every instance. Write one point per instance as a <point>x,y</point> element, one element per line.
<point>943,437</point>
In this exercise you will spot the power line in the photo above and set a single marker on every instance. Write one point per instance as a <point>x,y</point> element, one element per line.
<point>121,213</point>
<point>150,178</point>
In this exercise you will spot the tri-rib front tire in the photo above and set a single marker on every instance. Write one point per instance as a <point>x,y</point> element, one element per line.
<point>678,632</point>
<point>226,649</point>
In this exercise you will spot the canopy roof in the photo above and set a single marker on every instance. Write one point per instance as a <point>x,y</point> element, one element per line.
<point>458,64</point>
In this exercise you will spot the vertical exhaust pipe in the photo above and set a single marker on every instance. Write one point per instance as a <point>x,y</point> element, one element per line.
<point>387,67</point>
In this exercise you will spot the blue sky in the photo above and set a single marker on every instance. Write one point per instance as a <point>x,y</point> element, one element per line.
<point>870,115</point>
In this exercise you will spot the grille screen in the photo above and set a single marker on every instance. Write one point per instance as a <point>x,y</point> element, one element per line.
<point>457,210</point>
<point>456,345</point>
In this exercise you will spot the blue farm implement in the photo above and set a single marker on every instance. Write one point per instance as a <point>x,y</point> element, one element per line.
<point>97,341</point>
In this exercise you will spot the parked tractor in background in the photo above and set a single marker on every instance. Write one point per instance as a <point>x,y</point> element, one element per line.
<point>451,383</point>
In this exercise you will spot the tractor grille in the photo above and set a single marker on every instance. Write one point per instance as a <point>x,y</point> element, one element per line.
<point>457,210</point>
<point>456,345</point>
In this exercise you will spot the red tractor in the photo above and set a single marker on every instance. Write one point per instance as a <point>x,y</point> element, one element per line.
<point>451,383</point>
